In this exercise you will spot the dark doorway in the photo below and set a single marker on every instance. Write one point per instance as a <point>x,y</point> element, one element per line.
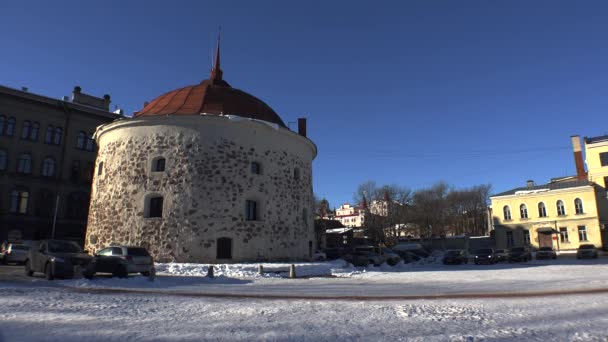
<point>310,249</point>
<point>224,248</point>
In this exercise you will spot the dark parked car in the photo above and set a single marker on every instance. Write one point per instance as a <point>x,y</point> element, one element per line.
<point>546,253</point>
<point>501,255</point>
<point>485,255</point>
<point>586,251</point>
<point>520,254</point>
<point>59,258</point>
<point>455,256</point>
<point>14,253</point>
<point>122,260</point>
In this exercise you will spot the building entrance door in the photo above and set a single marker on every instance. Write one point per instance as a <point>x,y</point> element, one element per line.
<point>545,239</point>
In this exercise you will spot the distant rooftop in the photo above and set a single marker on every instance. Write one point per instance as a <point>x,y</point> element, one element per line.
<point>594,140</point>
<point>545,187</point>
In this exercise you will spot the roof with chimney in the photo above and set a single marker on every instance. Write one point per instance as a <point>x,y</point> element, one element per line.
<point>211,97</point>
<point>546,187</point>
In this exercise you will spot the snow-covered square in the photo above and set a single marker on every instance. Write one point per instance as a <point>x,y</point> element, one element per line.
<point>563,300</point>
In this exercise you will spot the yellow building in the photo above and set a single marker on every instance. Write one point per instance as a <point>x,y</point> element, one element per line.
<point>562,214</point>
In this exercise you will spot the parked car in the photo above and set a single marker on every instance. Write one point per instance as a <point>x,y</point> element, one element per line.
<point>586,251</point>
<point>519,254</point>
<point>501,255</point>
<point>59,259</point>
<point>413,248</point>
<point>391,257</point>
<point>318,256</point>
<point>455,256</point>
<point>14,253</point>
<point>546,253</point>
<point>363,256</point>
<point>484,255</point>
<point>122,260</point>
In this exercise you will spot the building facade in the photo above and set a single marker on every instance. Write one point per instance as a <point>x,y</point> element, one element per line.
<point>350,216</point>
<point>205,173</point>
<point>562,214</point>
<point>47,155</point>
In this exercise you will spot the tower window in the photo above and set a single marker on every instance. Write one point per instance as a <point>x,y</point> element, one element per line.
<point>255,168</point>
<point>100,169</point>
<point>296,174</point>
<point>251,210</point>
<point>155,206</point>
<point>158,164</point>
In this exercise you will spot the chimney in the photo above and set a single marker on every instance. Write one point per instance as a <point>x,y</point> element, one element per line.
<point>530,183</point>
<point>302,126</point>
<point>578,157</point>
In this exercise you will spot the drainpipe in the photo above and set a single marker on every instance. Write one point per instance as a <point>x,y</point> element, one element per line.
<point>558,236</point>
<point>58,180</point>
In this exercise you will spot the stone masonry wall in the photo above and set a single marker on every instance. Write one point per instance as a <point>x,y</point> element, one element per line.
<point>205,185</point>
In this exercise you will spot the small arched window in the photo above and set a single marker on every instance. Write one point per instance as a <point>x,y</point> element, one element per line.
<point>542,210</point>
<point>255,168</point>
<point>10,126</point>
<point>24,164</point>
<point>506,212</point>
<point>578,206</point>
<point>100,169</point>
<point>19,201</point>
<point>48,167</point>
<point>48,136</point>
<point>296,174</point>
<point>34,132</point>
<point>3,160</point>
<point>305,216</point>
<point>251,210</point>
<point>158,164</point>
<point>81,140</point>
<point>561,209</point>
<point>58,135</point>
<point>523,211</point>
<point>90,145</point>
<point>26,130</point>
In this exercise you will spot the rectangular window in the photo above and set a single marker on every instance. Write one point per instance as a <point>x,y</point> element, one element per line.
<point>251,210</point>
<point>604,158</point>
<point>563,235</point>
<point>526,237</point>
<point>156,207</point>
<point>582,233</point>
<point>509,239</point>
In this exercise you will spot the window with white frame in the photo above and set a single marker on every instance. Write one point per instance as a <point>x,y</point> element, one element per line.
<point>81,140</point>
<point>578,206</point>
<point>48,167</point>
<point>10,126</point>
<point>90,144</point>
<point>19,201</point>
<point>563,235</point>
<point>523,211</point>
<point>542,210</point>
<point>48,136</point>
<point>506,213</point>
<point>561,209</point>
<point>57,136</point>
<point>582,233</point>
<point>24,164</point>
<point>26,129</point>
<point>526,237</point>
<point>34,131</point>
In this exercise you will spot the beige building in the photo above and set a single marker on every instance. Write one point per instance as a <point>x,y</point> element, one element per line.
<point>350,216</point>
<point>47,156</point>
<point>205,173</point>
<point>563,213</point>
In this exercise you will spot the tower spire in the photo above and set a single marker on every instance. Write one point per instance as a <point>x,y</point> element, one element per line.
<point>216,71</point>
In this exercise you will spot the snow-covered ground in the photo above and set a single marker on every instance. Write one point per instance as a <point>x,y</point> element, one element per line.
<point>65,311</point>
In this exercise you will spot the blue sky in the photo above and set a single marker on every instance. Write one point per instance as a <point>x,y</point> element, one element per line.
<point>404,92</point>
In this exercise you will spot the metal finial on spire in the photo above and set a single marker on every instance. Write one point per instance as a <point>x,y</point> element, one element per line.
<point>216,71</point>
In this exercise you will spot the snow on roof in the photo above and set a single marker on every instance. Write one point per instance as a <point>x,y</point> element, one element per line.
<point>525,192</point>
<point>337,230</point>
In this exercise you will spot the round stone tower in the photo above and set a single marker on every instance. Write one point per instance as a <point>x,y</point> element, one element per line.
<point>205,173</point>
